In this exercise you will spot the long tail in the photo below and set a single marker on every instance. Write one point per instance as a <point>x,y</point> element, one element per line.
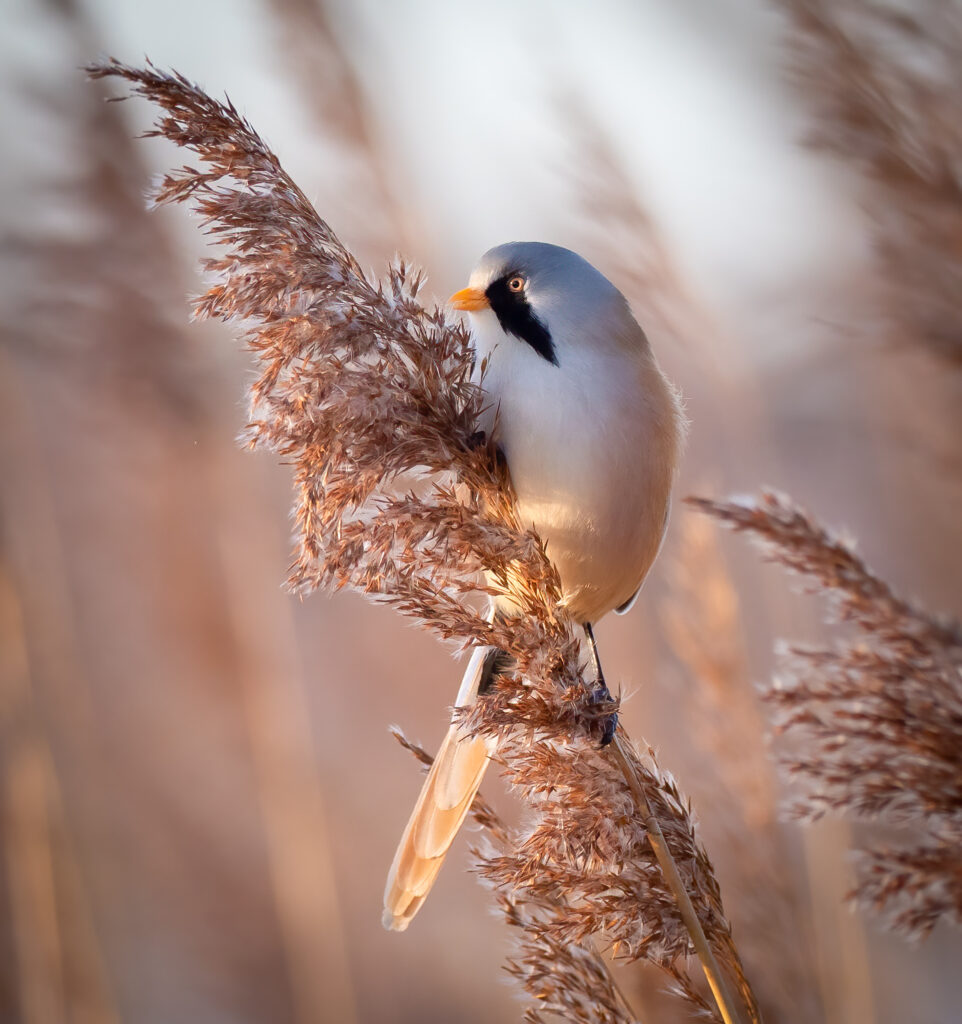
<point>444,802</point>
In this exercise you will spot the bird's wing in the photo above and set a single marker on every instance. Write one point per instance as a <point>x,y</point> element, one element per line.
<point>444,802</point>
<point>623,609</point>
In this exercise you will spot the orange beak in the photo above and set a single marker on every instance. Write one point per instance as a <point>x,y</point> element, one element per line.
<point>469,299</point>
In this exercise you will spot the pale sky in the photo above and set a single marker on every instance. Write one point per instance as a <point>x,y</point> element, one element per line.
<point>462,96</point>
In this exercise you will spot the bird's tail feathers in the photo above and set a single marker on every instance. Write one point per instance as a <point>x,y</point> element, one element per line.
<point>442,806</point>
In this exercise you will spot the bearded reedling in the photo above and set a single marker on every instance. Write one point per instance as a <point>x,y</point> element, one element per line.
<point>590,430</point>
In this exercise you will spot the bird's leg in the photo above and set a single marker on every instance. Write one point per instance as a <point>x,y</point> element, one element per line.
<point>602,693</point>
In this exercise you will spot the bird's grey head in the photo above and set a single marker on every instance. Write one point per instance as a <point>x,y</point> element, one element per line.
<point>544,296</point>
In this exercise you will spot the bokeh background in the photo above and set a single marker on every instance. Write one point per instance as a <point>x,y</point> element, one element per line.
<point>198,795</point>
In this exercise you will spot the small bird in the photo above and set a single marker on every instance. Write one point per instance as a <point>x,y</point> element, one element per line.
<point>591,430</point>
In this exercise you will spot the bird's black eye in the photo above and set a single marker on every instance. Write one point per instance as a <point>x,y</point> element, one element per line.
<point>516,283</point>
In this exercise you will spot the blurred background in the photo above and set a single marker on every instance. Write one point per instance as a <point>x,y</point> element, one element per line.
<point>199,798</point>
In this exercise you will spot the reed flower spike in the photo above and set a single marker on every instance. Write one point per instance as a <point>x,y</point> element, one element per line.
<point>875,721</point>
<point>370,396</point>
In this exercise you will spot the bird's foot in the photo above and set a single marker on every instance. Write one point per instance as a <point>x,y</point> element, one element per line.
<point>607,723</point>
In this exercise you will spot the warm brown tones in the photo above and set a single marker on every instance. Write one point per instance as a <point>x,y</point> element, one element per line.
<point>368,395</point>
<point>875,720</point>
<point>887,91</point>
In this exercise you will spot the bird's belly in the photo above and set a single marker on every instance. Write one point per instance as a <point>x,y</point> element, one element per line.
<point>601,542</point>
<point>596,489</point>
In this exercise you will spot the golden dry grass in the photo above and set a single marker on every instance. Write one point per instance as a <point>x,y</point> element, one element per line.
<point>174,730</point>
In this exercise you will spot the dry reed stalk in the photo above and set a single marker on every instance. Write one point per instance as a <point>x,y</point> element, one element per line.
<point>677,886</point>
<point>107,344</point>
<point>31,883</point>
<point>273,699</point>
<point>703,621</point>
<point>887,92</point>
<point>93,335</point>
<point>360,387</point>
<point>613,836</point>
<point>28,860</point>
<point>90,993</point>
<point>60,963</point>
<point>876,719</point>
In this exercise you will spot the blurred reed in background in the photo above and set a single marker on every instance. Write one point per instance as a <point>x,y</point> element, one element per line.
<point>198,796</point>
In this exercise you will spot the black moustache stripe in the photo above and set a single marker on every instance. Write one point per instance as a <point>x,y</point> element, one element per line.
<point>516,317</point>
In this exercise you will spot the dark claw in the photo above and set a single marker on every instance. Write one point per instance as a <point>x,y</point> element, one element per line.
<point>609,728</point>
<point>609,723</point>
<point>602,695</point>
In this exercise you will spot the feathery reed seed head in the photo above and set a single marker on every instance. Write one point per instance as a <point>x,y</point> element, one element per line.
<point>875,720</point>
<point>362,388</point>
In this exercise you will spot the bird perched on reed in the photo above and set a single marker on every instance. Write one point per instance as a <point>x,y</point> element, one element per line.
<point>590,430</point>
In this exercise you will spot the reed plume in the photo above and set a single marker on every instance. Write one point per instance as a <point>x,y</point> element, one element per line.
<point>886,93</point>
<point>369,395</point>
<point>567,979</point>
<point>875,720</point>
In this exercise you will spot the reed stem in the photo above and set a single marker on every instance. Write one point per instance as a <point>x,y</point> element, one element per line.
<point>729,1009</point>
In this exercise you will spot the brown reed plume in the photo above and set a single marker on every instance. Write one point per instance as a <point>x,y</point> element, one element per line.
<point>365,391</point>
<point>566,979</point>
<point>887,93</point>
<point>876,719</point>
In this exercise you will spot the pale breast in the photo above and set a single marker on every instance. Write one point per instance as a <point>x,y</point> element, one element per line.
<point>591,448</point>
